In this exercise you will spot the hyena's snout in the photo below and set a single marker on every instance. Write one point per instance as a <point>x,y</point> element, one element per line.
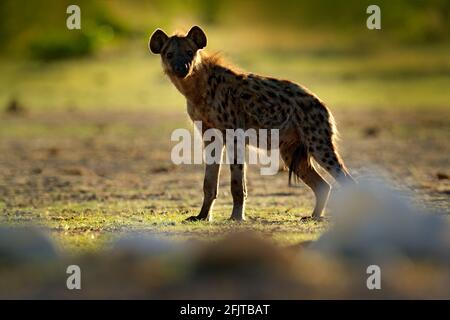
<point>181,63</point>
<point>181,69</point>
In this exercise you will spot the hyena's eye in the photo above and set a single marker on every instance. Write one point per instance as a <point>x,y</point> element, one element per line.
<point>169,55</point>
<point>190,53</point>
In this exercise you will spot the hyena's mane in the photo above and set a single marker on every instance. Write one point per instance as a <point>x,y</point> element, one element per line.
<point>217,59</point>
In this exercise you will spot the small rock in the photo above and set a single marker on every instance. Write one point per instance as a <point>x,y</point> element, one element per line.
<point>373,222</point>
<point>442,176</point>
<point>148,245</point>
<point>25,245</point>
<point>371,131</point>
<point>36,171</point>
<point>14,107</point>
<point>72,171</point>
<point>53,151</point>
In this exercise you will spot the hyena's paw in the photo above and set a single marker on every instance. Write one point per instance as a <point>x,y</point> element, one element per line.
<point>237,218</point>
<point>238,213</point>
<point>313,219</point>
<point>196,218</point>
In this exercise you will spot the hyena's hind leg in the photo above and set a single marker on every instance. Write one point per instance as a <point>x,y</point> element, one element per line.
<point>297,159</point>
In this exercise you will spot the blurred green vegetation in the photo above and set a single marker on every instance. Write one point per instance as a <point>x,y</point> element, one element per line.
<point>322,44</point>
<point>26,25</point>
<point>37,29</point>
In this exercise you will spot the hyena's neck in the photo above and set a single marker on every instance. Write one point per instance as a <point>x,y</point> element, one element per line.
<point>193,87</point>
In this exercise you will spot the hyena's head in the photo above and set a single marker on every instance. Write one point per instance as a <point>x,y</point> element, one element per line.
<point>178,53</point>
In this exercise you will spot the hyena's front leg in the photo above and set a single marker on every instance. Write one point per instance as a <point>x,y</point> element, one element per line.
<point>238,191</point>
<point>210,190</point>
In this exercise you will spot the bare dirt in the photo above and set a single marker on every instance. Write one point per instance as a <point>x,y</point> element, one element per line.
<point>105,157</point>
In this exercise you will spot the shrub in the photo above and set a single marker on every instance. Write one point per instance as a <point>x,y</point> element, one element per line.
<point>59,45</point>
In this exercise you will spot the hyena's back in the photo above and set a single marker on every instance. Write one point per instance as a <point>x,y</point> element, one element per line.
<point>306,126</point>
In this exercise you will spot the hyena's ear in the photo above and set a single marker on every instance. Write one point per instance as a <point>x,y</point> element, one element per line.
<point>157,41</point>
<point>198,36</point>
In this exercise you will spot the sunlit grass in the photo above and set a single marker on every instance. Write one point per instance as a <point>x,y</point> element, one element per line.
<point>92,225</point>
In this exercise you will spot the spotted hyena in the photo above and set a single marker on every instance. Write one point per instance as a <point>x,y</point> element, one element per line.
<point>222,97</point>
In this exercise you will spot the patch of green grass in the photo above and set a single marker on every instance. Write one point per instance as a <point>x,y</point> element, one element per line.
<point>91,225</point>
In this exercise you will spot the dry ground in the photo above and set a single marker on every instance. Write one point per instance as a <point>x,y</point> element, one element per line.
<point>90,177</point>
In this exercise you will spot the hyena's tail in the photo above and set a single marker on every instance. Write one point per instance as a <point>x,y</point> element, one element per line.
<point>300,154</point>
<point>320,138</point>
